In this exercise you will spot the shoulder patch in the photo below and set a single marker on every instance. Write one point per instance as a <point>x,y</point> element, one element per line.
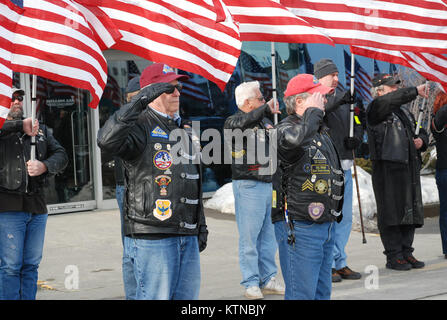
<point>159,133</point>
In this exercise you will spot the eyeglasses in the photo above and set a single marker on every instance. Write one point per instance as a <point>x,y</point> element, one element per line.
<point>259,98</point>
<point>177,86</point>
<point>20,98</point>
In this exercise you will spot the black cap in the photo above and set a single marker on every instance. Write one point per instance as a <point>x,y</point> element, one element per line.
<point>18,90</point>
<point>133,85</point>
<point>384,79</point>
<point>324,67</point>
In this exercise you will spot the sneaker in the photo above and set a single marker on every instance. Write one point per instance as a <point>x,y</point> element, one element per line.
<point>273,287</point>
<point>347,273</point>
<point>253,293</point>
<point>398,264</point>
<point>335,276</point>
<point>415,263</point>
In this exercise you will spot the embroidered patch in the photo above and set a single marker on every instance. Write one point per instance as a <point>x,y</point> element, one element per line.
<point>306,167</point>
<point>163,181</point>
<point>315,210</point>
<point>162,209</point>
<point>159,133</point>
<point>321,186</point>
<point>307,185</point>
<point>162,160</point>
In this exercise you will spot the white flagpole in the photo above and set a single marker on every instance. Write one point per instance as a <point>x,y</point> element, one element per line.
<point>351,122</point>
<point>33,116</point>
<point>421,110</point>
<point>275,116</point>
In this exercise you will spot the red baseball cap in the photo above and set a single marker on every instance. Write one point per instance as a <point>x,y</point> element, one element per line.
<point>305,83</point>
<point>159,72</point>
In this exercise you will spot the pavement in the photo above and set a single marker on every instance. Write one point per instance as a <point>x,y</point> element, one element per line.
<point>82,261</point>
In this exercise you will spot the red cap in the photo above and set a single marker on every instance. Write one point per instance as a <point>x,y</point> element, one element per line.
<point>305,83</point>
<point>159,72</point>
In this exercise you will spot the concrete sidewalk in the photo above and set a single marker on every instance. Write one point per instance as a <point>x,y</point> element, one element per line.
<point>87,246</point>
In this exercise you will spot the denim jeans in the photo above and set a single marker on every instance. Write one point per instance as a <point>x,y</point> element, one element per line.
<point>165,269</point>
<point>441,181</point>
<point>257,245</point>
<point>306,265</point>
<point>21,244</point>
<point>342,230</point>
<point>130,284</point>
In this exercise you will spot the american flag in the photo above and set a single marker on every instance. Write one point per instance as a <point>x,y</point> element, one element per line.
<point>433,67</point>
<point>362,80</point>
<point>266,20</point>
<point>306,65</point>
<point>192,89</point>
<point>132,70</point>
<point>252,71</point>
<point>376,69</point>
<point>53,40</point>
<point>184,34</point>
<point>408,25</point>
<point>9,15</point>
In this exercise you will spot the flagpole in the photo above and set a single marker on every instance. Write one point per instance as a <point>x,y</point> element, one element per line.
<point>33,116</point>
<point>275,115</point>
<point>421,110</point>
<point>351,134</point>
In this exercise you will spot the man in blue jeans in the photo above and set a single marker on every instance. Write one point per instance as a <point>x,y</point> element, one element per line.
<point>311,196</point>
<point>252,189</point>
<point>23,211</point>
<point>337,118</point>
<point>130,284</point>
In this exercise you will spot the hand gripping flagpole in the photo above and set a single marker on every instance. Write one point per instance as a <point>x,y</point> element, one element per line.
<point>421,110</point>
<point>275,115</point>
<point>351,134</point>
<point>33,117</point>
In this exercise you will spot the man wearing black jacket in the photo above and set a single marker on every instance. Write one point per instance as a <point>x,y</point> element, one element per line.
<point>396,165</point>
<point>23,211</point>
<point>164,221</point>
<point>252,189</point>
<point>338,120</point>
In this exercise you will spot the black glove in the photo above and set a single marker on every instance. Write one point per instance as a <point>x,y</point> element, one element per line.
<point>203,237</point>
<point>153,91</point>
<point>348,98</point>
<point>352,143</point>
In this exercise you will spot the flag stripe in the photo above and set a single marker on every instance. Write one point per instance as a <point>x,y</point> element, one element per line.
<point>394,25</point>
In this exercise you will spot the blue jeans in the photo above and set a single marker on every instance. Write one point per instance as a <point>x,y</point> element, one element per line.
<point>130,284</point>
<point>165,269</point>
<point>306,266</point>
<point>342,230</point>
<point>257,245</point>
<point>441,181</point>
<point>21,244</point>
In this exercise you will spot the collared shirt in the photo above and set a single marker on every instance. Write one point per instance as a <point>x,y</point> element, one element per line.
<point>176,118</point>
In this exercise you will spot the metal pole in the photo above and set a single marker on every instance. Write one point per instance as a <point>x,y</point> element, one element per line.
<point>33,116</point>
<point>421,110</point>
<point>275,115</point>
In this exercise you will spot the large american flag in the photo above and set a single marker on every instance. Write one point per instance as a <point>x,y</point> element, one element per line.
<point>53,40</point>
<point>184,34</point>
<point>266,20</point>
<point>409,25</point>
<point>252,71</point>
<point>9,15</point>
<point>362,80</point>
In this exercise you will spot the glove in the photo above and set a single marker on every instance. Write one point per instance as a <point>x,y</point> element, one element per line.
<point>153,91</point>
<point>348,98</point>
<point>352,143</point>
<point>203,237</point>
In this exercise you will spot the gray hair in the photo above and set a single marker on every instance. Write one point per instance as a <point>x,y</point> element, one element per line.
<point>290,101</point>
<point>245,91</point>
<point>374,90</point>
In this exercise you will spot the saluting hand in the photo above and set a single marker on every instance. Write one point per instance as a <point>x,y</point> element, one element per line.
<point>273,108</point>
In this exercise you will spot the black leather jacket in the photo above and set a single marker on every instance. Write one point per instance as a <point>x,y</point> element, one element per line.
<point>391,126</point>
<point>15,147</point>
<point>310,171</point>
<point>242,166</point>
<point>162,196</point>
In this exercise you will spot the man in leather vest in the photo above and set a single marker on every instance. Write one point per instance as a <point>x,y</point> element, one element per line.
<point>23,210</point>
<point>312,184</point>
<point>164,222</point>
<point>338,119</point>
<point>252,189</point>
<point>396,165</point>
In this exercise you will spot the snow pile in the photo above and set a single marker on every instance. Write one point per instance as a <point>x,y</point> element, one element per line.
<point>223,199</point>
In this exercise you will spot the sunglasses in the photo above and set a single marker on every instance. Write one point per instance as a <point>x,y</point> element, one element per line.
<point>178,86</point>
<point>20,98</point>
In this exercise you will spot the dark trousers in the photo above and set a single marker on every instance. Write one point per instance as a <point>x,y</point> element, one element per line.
<point>397,241</point>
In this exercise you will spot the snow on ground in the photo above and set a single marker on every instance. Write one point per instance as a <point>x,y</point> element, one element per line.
<point>223,199</point>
